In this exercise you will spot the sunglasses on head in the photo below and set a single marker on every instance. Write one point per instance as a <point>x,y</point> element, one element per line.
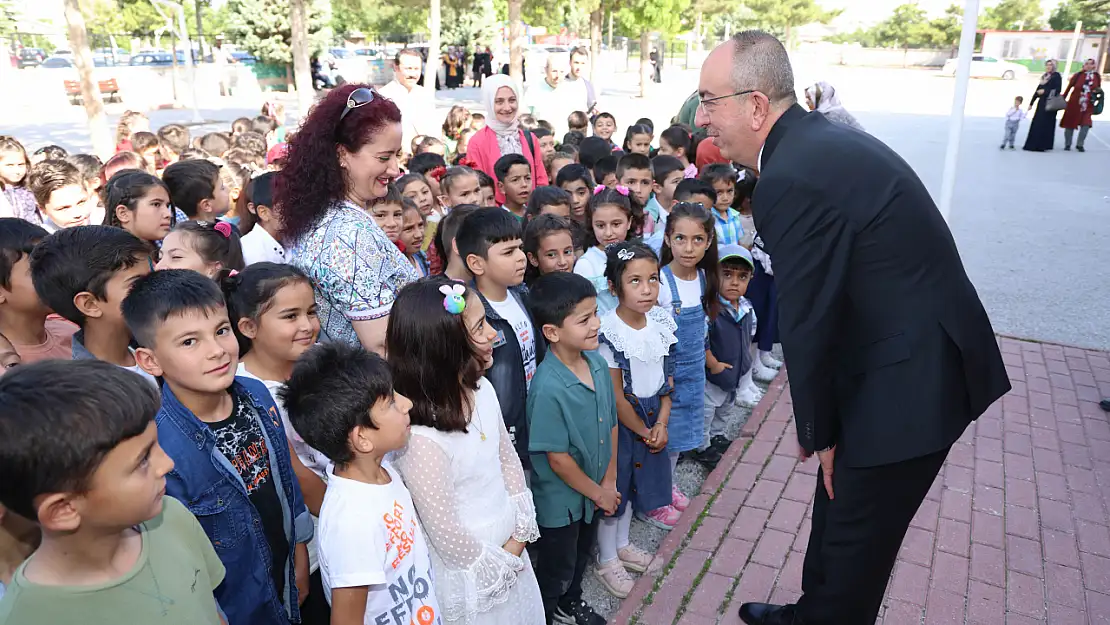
<point>359,97</point>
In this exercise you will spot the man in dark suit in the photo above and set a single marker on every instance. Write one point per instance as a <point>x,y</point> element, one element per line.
<point>889,350</point>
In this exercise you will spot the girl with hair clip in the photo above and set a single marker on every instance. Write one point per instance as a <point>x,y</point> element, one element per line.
<point>139,203</point>
<point>209,248</point>
<point>460,465</point>
<point>457,120</point>
<point>14,167</point>
<point>637,139</point>
<point>549,246</point>
<point>689,292</point>
<point>609,220</point>
<point>638,342</point>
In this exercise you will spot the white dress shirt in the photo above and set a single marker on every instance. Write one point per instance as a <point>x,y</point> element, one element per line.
<point>417,111</point>
<point>260,247</point>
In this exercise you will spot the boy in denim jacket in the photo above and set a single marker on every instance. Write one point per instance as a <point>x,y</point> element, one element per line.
<point>232,467</point>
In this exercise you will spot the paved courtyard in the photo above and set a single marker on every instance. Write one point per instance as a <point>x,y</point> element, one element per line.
<point>1013,531</point>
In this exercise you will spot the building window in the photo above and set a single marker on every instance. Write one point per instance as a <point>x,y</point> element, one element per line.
<point>1010,48</point>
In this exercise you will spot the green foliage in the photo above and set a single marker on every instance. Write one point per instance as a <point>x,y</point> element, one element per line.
<point>1067,13</point>
<point>909,27</point>
<point>1013,15</point>
<point>656,16</point>
<point>262,28</point>
<point>780,16</point>
<point>474,25</point>
<point>574,15</point>
<point>7,17</point>
<point>390,20</point>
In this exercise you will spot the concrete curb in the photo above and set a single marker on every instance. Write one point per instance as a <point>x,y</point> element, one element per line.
<point>672,545</point>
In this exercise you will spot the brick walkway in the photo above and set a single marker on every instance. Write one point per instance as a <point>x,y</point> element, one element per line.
<point>1014,531</point>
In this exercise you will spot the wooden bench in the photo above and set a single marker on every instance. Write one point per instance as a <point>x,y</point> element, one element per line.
<point>109,88</point>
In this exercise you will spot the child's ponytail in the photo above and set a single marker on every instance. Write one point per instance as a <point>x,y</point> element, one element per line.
<point>250,293</point>
<point>215,242</point>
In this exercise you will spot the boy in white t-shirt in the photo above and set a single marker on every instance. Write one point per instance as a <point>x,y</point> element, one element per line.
<point>373,557</point>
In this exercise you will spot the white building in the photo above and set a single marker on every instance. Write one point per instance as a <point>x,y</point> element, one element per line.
<point>1040,45</point>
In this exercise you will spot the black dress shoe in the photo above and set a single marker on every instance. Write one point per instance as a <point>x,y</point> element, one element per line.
<point>1105,405</point>
<point>708,457</point>
<point>720,443</point>
<point>768,614</point>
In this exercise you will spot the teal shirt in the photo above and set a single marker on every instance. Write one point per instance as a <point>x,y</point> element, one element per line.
<point>564,415</point>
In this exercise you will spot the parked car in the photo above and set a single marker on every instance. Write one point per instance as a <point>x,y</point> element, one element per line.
<point>67,61</point>
<point>158,59</point>
<point>983,66</point>
<point>246,58</point>
<point>31,57</point>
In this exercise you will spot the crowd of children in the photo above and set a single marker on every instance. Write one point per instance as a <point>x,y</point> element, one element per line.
<point>321,483</point>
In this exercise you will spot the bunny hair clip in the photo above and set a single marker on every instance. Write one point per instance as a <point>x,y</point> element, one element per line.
<point>454,298</point>
<point>741,175</point>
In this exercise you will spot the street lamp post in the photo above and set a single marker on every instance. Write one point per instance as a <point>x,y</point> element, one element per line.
<point>959,98</point>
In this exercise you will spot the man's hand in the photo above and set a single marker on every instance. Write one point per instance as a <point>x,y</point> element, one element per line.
<point>826,457</point>
<point>803,455</point>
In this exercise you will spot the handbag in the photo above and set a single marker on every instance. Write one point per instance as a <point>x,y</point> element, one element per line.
<point>1098,99</point>
<point>1055,103</point>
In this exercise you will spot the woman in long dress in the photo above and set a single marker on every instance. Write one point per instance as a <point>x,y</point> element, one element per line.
<point>1042,130</point>
<point>1080,95</point>
<point>460,465</point>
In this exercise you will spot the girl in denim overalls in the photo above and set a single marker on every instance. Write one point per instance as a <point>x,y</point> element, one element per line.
<point>689,291</point>
<point>637,339</point>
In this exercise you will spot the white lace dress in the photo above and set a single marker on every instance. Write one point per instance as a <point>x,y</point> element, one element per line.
<point>471,498</point>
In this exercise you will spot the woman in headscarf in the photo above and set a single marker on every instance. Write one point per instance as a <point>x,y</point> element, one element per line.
<point>822,97</point>
<point>1080,95</point>
<point>503,133</point>
<point>1042,130</point>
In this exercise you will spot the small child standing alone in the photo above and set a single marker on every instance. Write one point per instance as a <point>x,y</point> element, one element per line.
<point>1013,120</point>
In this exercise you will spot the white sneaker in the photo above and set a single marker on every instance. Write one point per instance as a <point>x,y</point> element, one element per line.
<point>770,361</point>
<point>746,397</point>
<point>762,372</point>
<point>754,388</point>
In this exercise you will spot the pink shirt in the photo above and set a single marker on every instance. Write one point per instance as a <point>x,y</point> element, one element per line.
<point>58,344</point>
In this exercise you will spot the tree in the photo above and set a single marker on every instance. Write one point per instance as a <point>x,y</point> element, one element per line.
<point>7,18</point>
<point>1014,15</point>
<point>263,28</point>
<point>472,25</point>
<point>1067,13</point>
<point>516,41</point>
<point>646,17</point>
<point>90,92</point>
<point>909,27</point>
<point>780,17</point>
<point>389,20</point>
<point>302,70</point>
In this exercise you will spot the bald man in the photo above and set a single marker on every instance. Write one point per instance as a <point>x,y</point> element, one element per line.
<point>551,99</point>
<point>890,352</point>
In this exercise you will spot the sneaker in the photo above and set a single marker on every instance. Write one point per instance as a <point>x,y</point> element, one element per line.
<point>708,457</point>
<point>1079,148</point>
<point>614,578</point>
<point>747,397</point>
<point>1011,147</point>
<point>634,559</point>
<point>1002,147</point>
<point>664,518</point>
<point>761,372</point>
<point>1067,148</point>
<point>576,612</point>
<point>679,501</point>
<point>720,443</point>
<point>770,361</point>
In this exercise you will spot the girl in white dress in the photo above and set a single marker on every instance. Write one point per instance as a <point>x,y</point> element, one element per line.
<point>460,465</point>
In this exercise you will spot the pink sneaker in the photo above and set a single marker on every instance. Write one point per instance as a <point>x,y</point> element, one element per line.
<point>663,518</point>
<point>634,559</point>
<point>679,501</point>
<point>615,578</point>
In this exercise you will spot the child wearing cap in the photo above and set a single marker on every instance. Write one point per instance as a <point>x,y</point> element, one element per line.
<point>728,360</point>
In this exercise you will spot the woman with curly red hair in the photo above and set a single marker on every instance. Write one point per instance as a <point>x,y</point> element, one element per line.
<point>342,159</point>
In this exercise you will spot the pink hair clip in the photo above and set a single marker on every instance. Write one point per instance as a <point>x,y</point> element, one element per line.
<point>223,228</point>
<point>232,273</point>
<point>599,188</point>
<point>623,190</point>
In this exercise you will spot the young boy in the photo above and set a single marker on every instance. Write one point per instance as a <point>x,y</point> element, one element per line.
<point>1013,120</point>
<point>412,236</point>
<point>197,189</point>
<point>173,139</point>
<point>460,185</point>
<point>634,171</point>
<point>605,171</point>
<point>489,242</point>
<point>572,435</point>
<point>83,274</point>
<point>23,315</point>
<point>723,179</point>
<point>546,139</point>
<point>373,556</point>
<point>488,188</point>
<point>696,192</point>
<point>60,192</point>
<point>578,122</point>
<point>549,200</point>
<point>514,181</point>
<point>261,243</point>
<point>667,173</point>
<point>728,360</point>
<point>114,549</point>
<point>554,163</point>
<point>147,145</point>
<point>227,440</point>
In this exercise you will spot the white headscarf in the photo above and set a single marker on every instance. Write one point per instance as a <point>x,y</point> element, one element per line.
<point>824,98</point>
<point>489,94</point>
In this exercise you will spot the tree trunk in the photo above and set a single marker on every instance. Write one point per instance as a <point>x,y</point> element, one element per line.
<point>516,41</point>
<point>302,68</point>
<point>610,44</point>
<point>431,67</point>
<point>200,29</point>
<point>596,18</point>
<point>90,92</point>
<point>698,35</point>
<point>645,62</point>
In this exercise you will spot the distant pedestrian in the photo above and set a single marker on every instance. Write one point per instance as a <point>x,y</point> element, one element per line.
<point>1013,120</point>
<point>822,97</point>
<point>1042,130</point>
<point>1080,94</point>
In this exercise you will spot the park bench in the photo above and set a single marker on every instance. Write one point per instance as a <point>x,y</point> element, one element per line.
<point>109,88</point>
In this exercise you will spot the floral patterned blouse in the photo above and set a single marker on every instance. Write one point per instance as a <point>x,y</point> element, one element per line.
<point>355,270</point>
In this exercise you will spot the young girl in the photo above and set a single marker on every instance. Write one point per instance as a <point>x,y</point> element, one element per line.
<point>272,310</point>
<point>139,203</point>
<point>412,237</point>
<point>742,202</point>
<point>465,478</point>
<point>605,125</point>
<point>276,111</point>
<point>549,245</point>
<point>576,180</point>
<point>205,247</point>
<point>676,141</point>
<point>638,342</point>
<point>130,123</point>
<point>388,213</point>
<point>457,120</point>
<point>14,165</point>
<point>608,220</point>
<point>637,140</point>
<point>417,188</point>
<point>690,294</point>
<point>488,189</point>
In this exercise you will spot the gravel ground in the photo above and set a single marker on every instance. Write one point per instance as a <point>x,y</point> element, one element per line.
<point>689,478</point>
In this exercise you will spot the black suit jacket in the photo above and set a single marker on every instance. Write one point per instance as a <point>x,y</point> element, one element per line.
<point>890,351</point>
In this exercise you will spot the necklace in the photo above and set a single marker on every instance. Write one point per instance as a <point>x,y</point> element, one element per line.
<point>477,423</point>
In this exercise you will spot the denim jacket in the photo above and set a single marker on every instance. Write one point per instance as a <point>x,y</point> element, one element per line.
<point>210,487</point>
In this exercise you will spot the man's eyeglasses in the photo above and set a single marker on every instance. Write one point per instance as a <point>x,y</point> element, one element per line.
<point>359,97</point>
<point>704,101</point>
